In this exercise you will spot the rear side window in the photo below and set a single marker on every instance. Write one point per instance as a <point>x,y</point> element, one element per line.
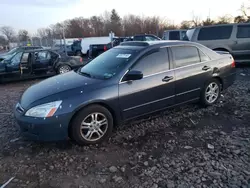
<point>203,56</point>
<point>153,63</point>
<point>185,55</point>
<point>174,35</point>
<point>215,33</point>
<point>25,57</point>
<point>243,31</point>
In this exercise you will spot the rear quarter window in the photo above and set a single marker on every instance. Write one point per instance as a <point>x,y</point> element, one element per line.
<point>243,31</point>
<point>215,33</point>
<point>185,55</point>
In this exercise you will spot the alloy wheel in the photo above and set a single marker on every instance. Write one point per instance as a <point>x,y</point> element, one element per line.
<point>94,126</point>
<point>212,92</point>
<point>63,69</point>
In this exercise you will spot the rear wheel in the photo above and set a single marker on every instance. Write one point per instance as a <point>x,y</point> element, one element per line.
<point>92,125</point>
<point>63,69</point>
<point>78,53</point>
<point>211,92</point>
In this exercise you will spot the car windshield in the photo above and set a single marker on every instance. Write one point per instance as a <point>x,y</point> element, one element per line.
<point>12,51</point>
<point>108,64</point>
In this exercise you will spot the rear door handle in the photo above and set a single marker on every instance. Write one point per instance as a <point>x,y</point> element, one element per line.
<point>167,78</point>
<point>205,68</point>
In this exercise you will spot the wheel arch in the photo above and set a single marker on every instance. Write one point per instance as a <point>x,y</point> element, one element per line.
<point>220,80</point>
<point>224,49</point>
<point>116,120</point>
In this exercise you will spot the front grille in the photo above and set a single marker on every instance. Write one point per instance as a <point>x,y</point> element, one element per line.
<point>19,108</point>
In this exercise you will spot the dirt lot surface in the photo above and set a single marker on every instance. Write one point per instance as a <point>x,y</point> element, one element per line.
<point>188,146</point>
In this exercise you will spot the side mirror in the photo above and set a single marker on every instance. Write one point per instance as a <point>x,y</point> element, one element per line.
<point>133,75</point>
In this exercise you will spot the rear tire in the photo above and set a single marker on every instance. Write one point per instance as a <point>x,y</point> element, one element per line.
<point>92,125</point>
<point>63,69</point>
<point>210,94</point>
<point>79,53</point>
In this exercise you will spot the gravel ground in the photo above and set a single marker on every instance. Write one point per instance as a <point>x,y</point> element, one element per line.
<point>188,146</point>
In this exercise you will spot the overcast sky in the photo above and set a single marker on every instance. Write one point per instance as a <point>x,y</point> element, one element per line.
<point>33,14</point>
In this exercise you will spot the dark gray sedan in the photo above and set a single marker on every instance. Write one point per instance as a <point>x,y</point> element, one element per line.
<point>130,80</point>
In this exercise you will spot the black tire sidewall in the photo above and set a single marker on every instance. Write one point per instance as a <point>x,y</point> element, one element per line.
<point>203,93</point>
<point>76,123</point>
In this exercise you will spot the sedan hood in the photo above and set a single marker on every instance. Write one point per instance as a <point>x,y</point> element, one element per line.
<point>55,85</point>
<point>4,56</point>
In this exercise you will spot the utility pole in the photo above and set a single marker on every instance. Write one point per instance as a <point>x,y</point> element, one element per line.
<point>64,41</point>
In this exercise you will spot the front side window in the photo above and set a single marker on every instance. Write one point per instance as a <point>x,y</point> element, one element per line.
<point>153,63</point>
<point>108,64</point>
<point>16,59</point>
<point>25,57</point>
<point>215,33</point>
<point>243,31</point>
<point>185,55</point>
<point>174,35</point>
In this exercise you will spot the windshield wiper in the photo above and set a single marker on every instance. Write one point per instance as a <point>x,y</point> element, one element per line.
<point>85,74</point>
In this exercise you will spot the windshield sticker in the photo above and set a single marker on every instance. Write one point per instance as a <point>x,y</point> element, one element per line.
<point>123,55</point>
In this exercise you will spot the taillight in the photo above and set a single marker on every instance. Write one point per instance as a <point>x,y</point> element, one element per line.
<point>81,60</point>
<point>105,48</point>
<point>233,64</point>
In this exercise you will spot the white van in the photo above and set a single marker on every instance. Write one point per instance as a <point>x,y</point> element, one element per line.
<point>93,40</point>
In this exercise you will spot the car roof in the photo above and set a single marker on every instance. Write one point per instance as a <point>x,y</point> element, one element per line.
<point>219,25</point>
<point>38,50</point>
<point>158,43</point>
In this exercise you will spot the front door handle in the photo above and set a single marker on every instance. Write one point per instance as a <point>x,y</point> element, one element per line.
<point>167,78</point>
<point>205,68</point>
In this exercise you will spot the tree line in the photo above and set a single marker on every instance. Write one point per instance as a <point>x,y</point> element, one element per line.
<point>128,25</point>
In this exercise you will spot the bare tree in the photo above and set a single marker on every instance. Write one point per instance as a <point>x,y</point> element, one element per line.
<point>8,32</point>
<point>23,35</point>
<point>196,20</point>
<point>240,19</point>
<point>186,24</point>
<point>42,32</point>
<point>3,40</point>
<point>208,21</point>
<point>225,19</point>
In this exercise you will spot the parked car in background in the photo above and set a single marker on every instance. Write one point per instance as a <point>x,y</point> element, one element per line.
<point>127,81</point>
<point>36,63</point>
<point>97,49</point>
<point>232,38</point>
<point>177,34</point>
<point>59,48</point>
<point>145,37</point>
<point>18,49</point>
<point>86,42</point>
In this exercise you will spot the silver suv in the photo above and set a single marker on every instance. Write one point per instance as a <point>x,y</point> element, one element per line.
<point>233,38</point>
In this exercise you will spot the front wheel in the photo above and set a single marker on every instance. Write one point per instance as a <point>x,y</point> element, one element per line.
<point>92,125</point>
<point>211,92</point>
<point>63,69</point>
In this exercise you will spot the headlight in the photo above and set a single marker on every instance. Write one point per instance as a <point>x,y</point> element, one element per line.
<point>44,110</point>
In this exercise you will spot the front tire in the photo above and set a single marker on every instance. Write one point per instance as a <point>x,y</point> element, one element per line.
<point>211,92</point>
<point>92,125</point>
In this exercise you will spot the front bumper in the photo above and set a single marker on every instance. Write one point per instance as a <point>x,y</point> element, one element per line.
<point>43,129</point>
